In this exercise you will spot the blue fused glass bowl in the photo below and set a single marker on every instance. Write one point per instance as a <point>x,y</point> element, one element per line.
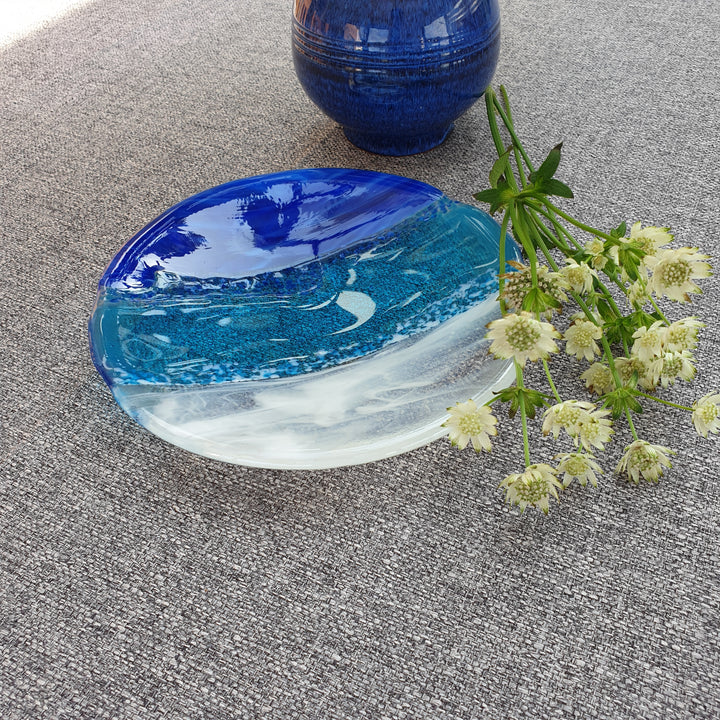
<point>395,75</point>
<point>305,319</point>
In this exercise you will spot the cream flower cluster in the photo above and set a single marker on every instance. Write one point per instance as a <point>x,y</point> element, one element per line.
<point>642,459</point>
<point>665,272</point>
<point>582,421</point>
<point>661,354</point>
<point>617,278</point>
<point>517,284</point>
<point>706,414</point>
<point>534,487</point>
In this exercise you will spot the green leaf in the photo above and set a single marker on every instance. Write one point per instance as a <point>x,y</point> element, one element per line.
<point>497,197</point>
<point>606,312</point>
<point>487,196</point>
<point>621,329</point>
<point>550,164</point>
<point>552,186</point>
<point>537,301</point>
<point>620,230</point>
<point>530,398</point>
<point>499,167</point>
<point>620,400</point>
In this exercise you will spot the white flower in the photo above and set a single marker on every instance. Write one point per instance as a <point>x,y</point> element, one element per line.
<point>470,423</point>
<point>673,272</point>
<point>649,341</point>
<point>596,249</point>
<point>533,487</point>
<point>580,466</point>
<point>650,238</point>
<point>521,337</point>
<point>581,421</point>
<point>579,276</point>
<point>706,414</point>
<point>595,430</point>
<point>682,334</point>
<point>648,371</point>
<point>598,379</point>
<point>568,416</point>
<point>580,339</point>
<point>638,294</point>
<point>646,460</point>
<point>676,365</point>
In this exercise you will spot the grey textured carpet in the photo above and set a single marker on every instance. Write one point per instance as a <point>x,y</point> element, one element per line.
<point>139,581</point>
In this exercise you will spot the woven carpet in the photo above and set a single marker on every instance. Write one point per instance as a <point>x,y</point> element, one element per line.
<point>139,581</point>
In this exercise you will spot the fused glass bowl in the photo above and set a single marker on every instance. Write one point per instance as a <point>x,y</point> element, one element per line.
<point>306,319</point>
<point>395,75</point>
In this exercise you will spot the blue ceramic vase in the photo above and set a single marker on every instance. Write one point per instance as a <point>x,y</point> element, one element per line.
<point>395,74</point>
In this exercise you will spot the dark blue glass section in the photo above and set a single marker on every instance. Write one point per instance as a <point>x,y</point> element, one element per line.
<point>264,223</point>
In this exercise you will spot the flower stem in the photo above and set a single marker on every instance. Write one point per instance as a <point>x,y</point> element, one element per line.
<point>507,121</point>
<point>663,402</point>
<point>558,227</point>
<point>501,259</point>
<point>490,105</point>
<point>550,381</point>
<point>659,311</point>
<point>524,236</point>
<point>631,424</point>
<point>577,223</point>
<point>523,413</point>
<point>555,240</point>
<point>611,363</point>
<point>517,148</point>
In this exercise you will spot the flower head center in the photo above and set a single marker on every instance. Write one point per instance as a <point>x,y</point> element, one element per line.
<point>523,334</point>
<point>676,273</point>
<point>533,487</point>
<point>672,364</point>
<point>569,416</point>
<point>585,334</point>
<point>643,458</point>
<point>707,412</point>
<point>471,424</point>
<point>576,465</point>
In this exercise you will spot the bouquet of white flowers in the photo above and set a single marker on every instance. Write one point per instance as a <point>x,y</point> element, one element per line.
<point>616,280</point>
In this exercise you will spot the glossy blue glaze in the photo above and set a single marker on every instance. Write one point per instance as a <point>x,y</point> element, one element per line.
<point>286,274</point>
<point>395,73</point>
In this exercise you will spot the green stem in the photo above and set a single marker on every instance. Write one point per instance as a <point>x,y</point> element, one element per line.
<point>611,362</point>
<point>525,239</point>
<point>620,284</point>
<point>490,104</point>
<point>660,312</point>
<point>501,258</point>
<point>576,223</point>
<point>631,424</point>
<point>559,229</point>
<point>663,402</point>
<point>588,313</point>
<point>550,381</point>
<point>555,241</point>
<point>523,413</point>
<point>610,299</point>
<point>511,130</point>
<point>516,150</point>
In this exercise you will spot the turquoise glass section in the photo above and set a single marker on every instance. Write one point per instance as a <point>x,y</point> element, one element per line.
<point>287,275</point>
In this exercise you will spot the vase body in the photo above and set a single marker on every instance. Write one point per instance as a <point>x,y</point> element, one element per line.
<point>395,74</point>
